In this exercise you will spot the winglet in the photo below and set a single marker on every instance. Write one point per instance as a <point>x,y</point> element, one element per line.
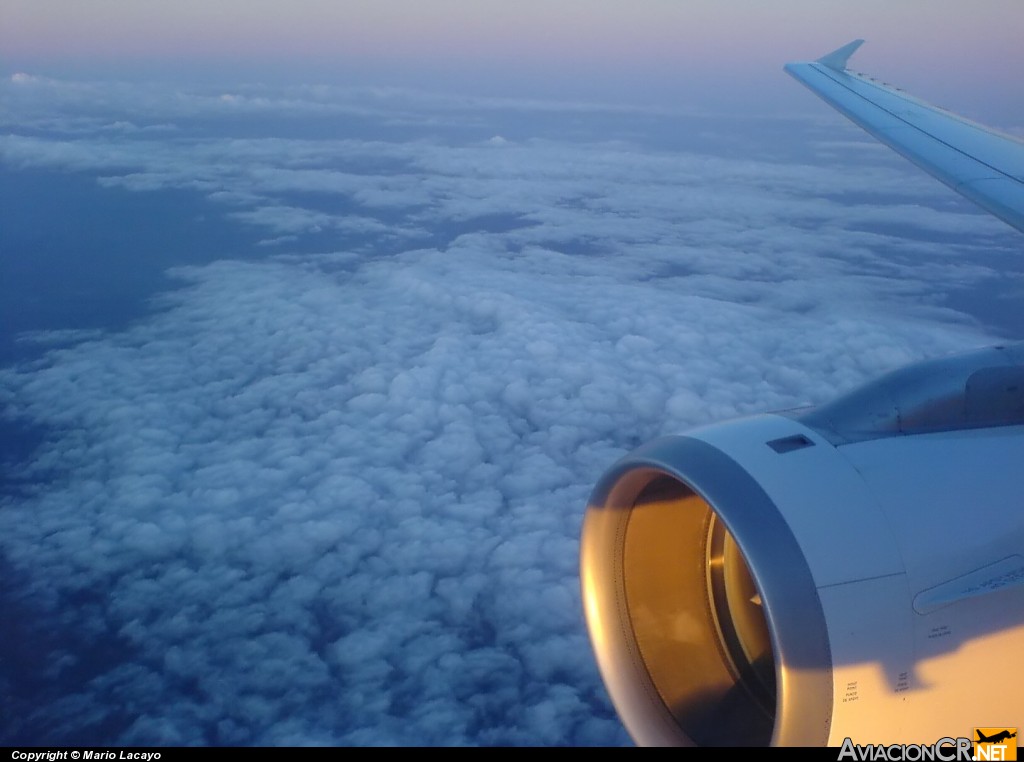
<point>837,58</point>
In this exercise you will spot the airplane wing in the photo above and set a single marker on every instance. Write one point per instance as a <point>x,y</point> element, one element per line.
<point>981,164</point>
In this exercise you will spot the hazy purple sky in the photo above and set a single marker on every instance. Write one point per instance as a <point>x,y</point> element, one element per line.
<point>964,55</point>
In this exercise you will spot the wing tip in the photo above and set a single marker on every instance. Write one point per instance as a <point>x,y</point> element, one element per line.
<point>837,58</point>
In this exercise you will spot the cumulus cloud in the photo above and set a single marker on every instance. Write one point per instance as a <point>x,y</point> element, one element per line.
<point>336,498</point>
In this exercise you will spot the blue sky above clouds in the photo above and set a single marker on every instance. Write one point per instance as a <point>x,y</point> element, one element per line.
<point>324,483</point>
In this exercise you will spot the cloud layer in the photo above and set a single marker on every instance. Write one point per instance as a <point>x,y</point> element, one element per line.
<point>336,497</point>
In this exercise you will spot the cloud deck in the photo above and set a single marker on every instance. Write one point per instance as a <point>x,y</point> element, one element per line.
<point>335,497</point>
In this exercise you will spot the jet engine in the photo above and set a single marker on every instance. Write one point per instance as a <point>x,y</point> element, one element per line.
<point>855,570</point>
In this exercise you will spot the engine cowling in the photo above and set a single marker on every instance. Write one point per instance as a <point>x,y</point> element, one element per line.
<point>856,570</point>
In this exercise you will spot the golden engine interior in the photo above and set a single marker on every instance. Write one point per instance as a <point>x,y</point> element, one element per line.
<point>697,619</point>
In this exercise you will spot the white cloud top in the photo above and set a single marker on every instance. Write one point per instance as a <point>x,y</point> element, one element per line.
<point>335,498</point>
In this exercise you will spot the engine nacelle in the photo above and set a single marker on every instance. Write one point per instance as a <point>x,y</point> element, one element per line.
<point>856,570</point>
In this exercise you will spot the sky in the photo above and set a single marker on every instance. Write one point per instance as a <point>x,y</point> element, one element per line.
<point>320,322</point>
<point>698,53</point>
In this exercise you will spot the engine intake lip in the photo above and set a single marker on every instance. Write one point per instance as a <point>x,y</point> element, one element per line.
<point>661,701</point>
